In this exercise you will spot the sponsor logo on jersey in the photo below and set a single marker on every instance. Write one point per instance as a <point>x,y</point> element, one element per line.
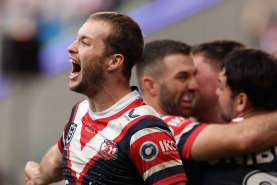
<point>71,132</point>
<point>132,115</point>
<point>260,178</point>
<point>168,146</point>
<point>149,151</point>
<point>108,149</point>
<point>266,156</point>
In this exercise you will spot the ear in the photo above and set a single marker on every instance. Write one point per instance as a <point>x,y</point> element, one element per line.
<point>115,61</point>
<point>242,102</point>
<point>150,85</point>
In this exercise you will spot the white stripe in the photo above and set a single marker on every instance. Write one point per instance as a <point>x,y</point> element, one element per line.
<point>147,131</point>
<point>185,130</point>
<point>160,167</point>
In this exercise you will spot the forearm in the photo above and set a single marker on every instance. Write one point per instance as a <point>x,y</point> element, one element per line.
<point>251,135</point>
<point>261,132</point>
<point>51,166</point>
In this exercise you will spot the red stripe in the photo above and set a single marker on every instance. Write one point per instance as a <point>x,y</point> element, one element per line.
<point>190,140</point>
<point>60,141</point>
<point>172,179</point>
<point>182,127</point>
<point>163,156</point>
<point>87,166</point>
<point>70,165</point>
<point>136,103</point>
<point>75,112</point>
<point>60,144</point>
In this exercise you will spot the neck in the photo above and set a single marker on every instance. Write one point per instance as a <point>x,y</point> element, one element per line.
<point>151,101</point>
<point>108,96</point>
<point>209,115</point>
<point>251,113</point>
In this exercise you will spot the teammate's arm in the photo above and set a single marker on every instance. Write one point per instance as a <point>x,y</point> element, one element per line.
<point>222,140</point>
<point>49,170</point>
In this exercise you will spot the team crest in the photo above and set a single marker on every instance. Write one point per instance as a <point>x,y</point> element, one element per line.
<point>108,149</point>
<point>71,132</point>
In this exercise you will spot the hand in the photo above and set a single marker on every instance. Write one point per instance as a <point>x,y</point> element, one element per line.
<point>33,174</point>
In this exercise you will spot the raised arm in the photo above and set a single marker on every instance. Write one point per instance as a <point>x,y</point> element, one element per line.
<point>222,140</point>
<point>49,170</point>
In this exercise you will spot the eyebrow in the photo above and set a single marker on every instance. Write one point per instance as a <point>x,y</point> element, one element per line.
<point>85,37</point>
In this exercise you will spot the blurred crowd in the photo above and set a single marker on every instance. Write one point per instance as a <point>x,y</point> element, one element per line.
<point>26,26</point>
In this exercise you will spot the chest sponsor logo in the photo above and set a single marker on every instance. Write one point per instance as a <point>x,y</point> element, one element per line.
<point>260,178</point>
<point>108,150</point>
<point>267,156</point>
<point>71,132</point>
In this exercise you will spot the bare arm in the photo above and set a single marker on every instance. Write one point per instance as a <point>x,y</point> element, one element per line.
<point>49,170</point>
<point>221,140</point>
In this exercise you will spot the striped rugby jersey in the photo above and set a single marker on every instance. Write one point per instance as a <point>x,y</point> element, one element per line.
<point>125,144</point>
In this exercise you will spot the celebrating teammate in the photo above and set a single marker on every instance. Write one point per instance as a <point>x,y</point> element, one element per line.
<point>247,87</point>
<point>166,75</point>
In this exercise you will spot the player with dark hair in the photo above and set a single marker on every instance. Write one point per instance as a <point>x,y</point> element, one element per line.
<point>247,87</point>
<point>208,58</point>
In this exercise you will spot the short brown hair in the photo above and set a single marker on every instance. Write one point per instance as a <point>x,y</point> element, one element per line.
<point>125,38</point>
<point>151,62</point>
<point>216,51</point>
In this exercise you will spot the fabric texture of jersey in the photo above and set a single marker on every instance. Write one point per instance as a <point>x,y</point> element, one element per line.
<point>125,144</point>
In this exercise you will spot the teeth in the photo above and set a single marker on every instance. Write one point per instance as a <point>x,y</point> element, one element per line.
<point>72,61</point>
<point>188,97</point>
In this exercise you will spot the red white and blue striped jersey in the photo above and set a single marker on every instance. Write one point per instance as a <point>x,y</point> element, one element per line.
<point>185,131</point>
<point>125,144</point>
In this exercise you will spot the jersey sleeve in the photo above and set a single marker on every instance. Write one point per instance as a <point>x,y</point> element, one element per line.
<point>153,151</point>
<point>61,141</point>
<point>187,137</point>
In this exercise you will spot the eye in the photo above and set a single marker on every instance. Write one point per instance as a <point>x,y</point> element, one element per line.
<point>84,42</point>
<point>183,76</point>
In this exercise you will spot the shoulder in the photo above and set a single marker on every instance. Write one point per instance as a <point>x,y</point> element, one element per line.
<point>79,109</point>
